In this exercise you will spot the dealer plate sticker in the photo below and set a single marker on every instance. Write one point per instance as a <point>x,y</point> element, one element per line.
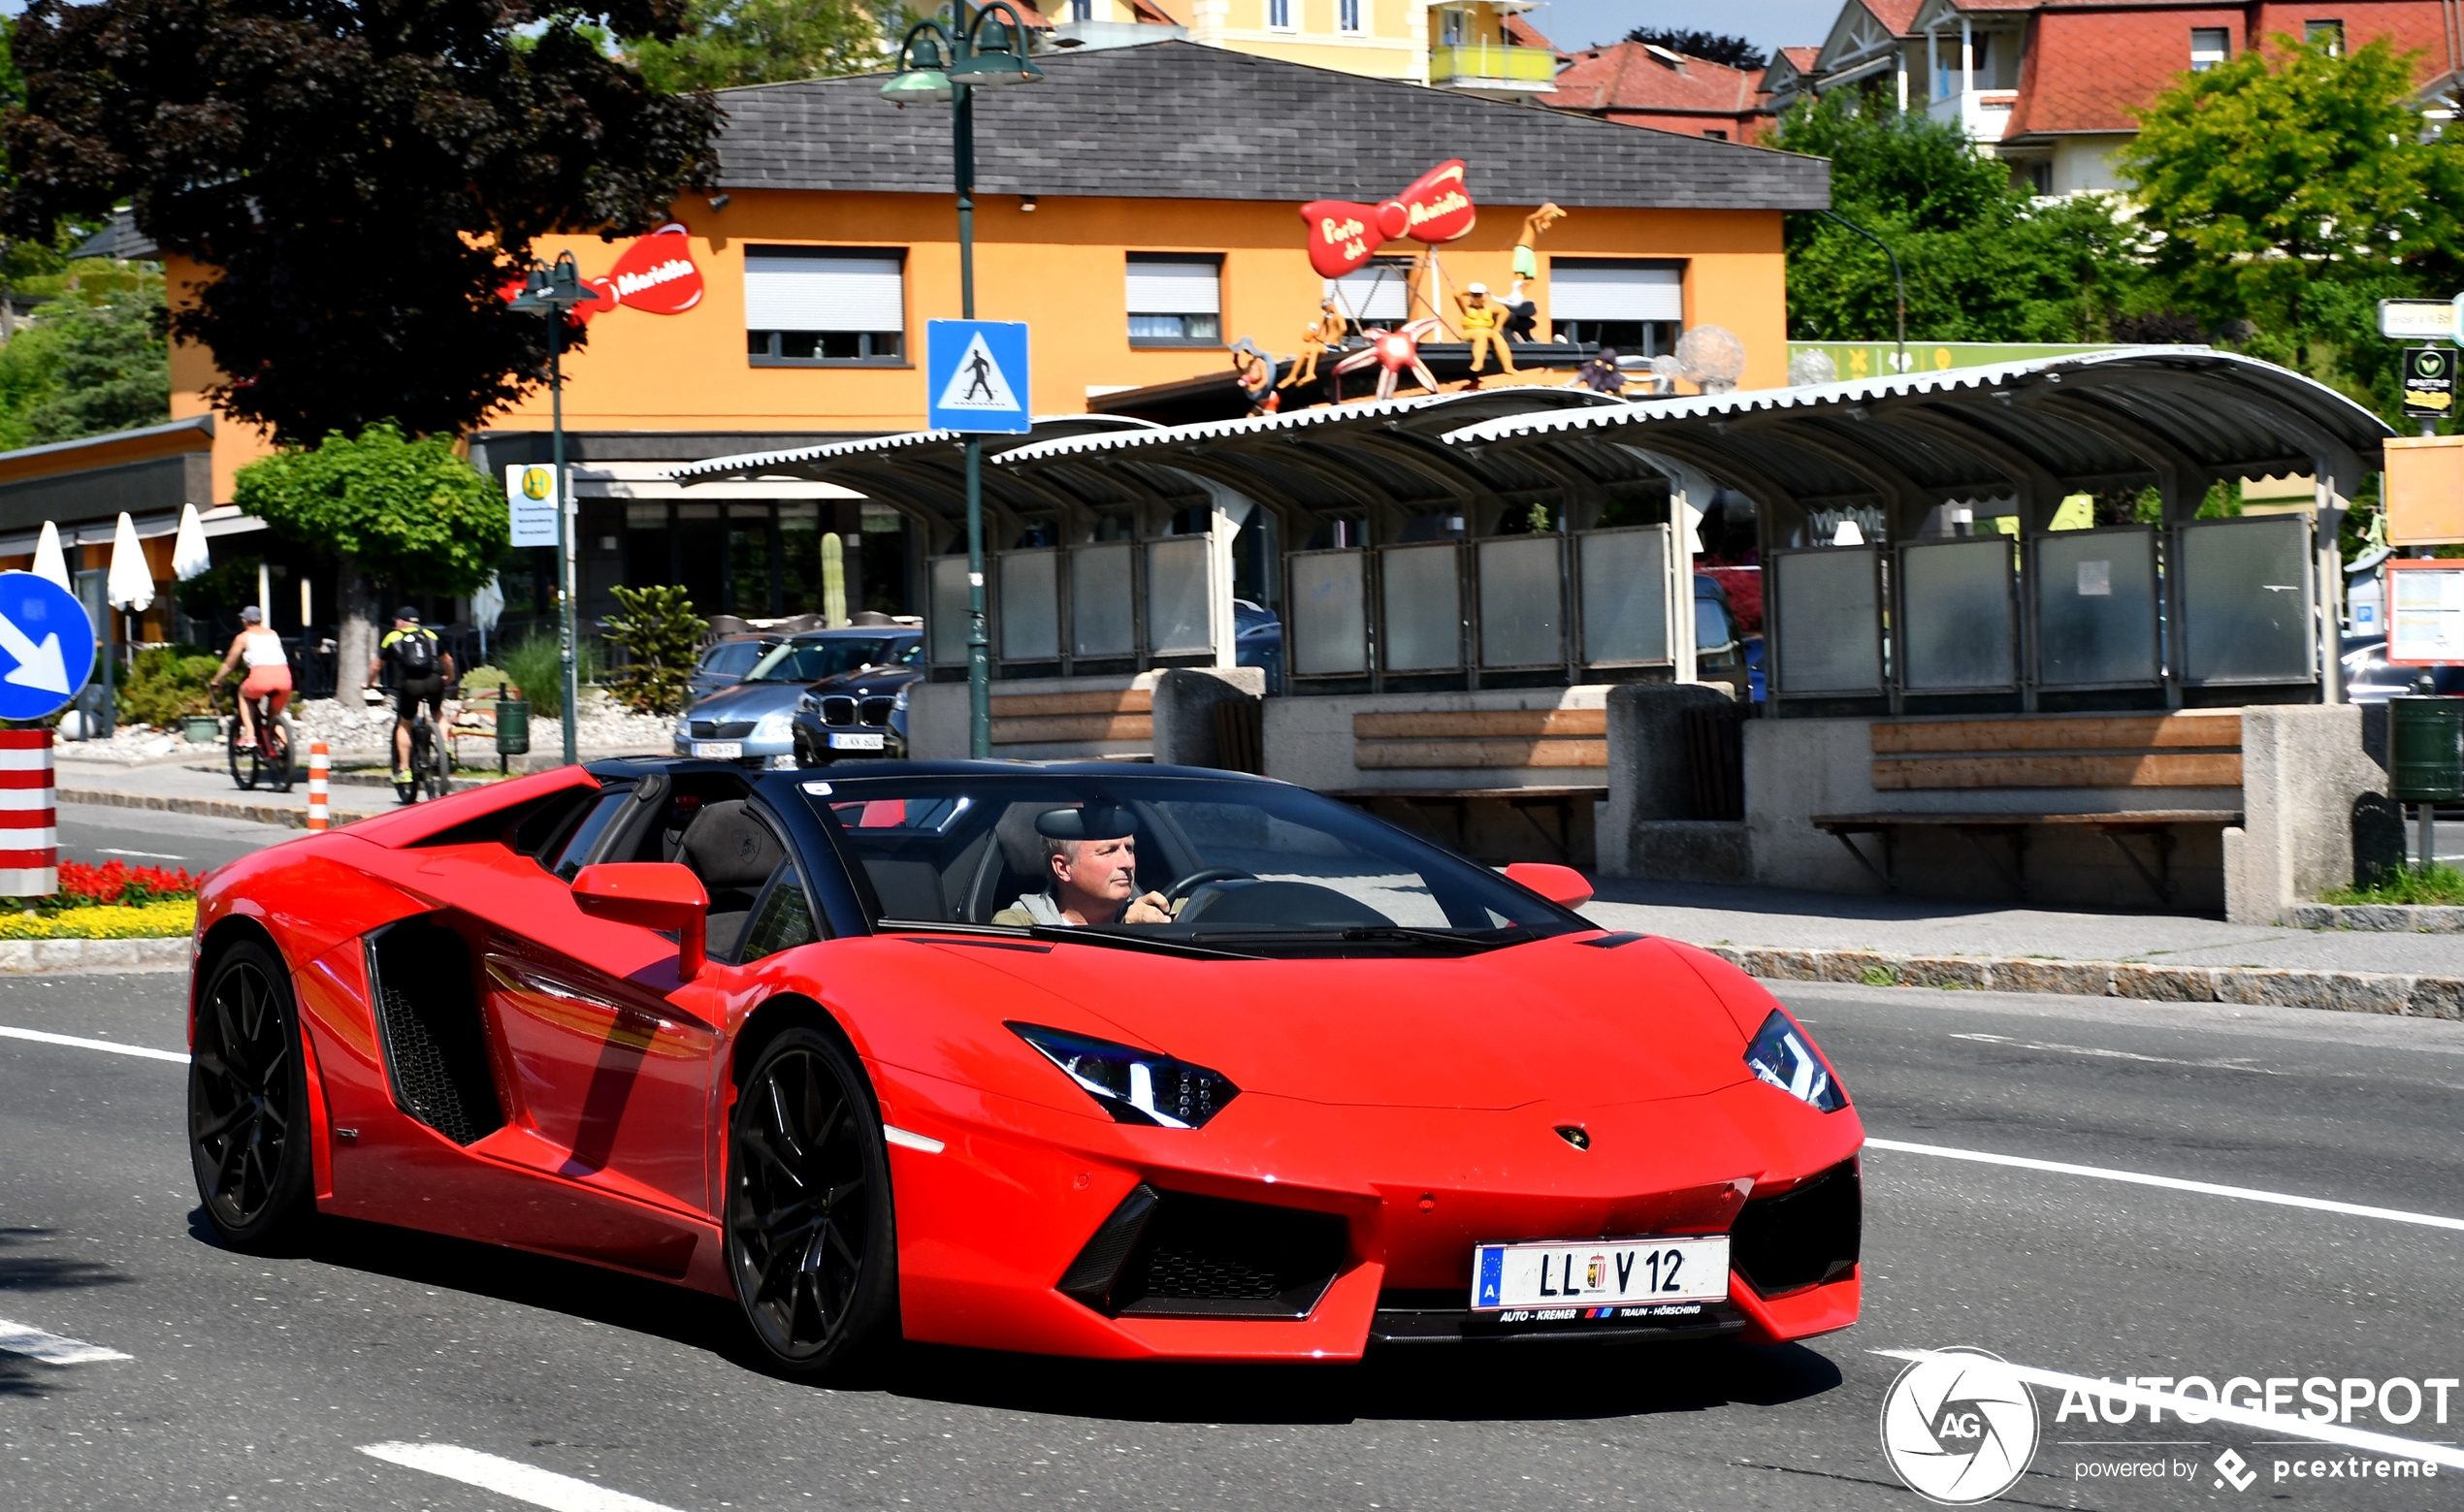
<point>856,742</point>
<point>719,750</point>
<point>1635,1273</point>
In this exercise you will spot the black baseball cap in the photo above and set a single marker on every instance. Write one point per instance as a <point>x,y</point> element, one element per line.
<point>406,612</point>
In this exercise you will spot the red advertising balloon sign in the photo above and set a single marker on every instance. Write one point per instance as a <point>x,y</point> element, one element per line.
<point>656,275</point>
<point>1344,235</point>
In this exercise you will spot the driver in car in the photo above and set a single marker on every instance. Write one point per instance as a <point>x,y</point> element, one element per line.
<point>1092,873</point>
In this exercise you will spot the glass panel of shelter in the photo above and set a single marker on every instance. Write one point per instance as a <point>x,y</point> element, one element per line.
<point>755,558</point>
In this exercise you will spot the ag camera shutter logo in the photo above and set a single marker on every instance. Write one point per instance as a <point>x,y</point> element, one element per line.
<point>1958,1427</point>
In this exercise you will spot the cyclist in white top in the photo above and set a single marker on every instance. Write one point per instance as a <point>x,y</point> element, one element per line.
<point>269,669</point>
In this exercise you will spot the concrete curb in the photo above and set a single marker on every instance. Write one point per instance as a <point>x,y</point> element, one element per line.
<point>2338,991</point>
<point>20,957</point>
<point>2383,918</point>
<point>211,808</point>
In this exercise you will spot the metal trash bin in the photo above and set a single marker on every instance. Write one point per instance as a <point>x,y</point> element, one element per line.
<point>513,728</point>
<point>2425,756</point>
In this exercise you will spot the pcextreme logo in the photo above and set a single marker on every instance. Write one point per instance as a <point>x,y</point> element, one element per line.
<point>1958,1427</point>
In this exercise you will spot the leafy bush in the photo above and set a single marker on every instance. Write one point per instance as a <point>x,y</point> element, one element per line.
<point>483,680</point>
<point>166,682</point>
<point>117,886</point>
<point>662,638</point>
<point>532,665</point>
<point>163,918</point>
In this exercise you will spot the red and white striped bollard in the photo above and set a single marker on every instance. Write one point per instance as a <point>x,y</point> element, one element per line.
<point>29,823</point>
<point>320,766</point>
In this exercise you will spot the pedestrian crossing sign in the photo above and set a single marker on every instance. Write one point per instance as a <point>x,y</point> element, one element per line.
<point>974,373</point>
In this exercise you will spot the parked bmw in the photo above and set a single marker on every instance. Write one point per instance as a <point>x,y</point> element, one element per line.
<point>753,723</point>
<point>861,714</point>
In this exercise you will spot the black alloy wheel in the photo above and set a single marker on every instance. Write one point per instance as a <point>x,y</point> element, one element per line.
<point>810,1237</point>
<point>248,1099</point>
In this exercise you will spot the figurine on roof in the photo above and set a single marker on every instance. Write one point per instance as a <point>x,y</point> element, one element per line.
<point>1254,372</point>
<point>1479,327</point>
<point>1318,338</point>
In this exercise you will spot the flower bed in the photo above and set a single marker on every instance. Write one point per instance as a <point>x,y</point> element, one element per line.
<point>113,901</point>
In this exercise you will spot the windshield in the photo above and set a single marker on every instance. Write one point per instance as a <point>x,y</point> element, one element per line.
<point>730,659</point>
<point>1248,866</point>
<point>811,661</point>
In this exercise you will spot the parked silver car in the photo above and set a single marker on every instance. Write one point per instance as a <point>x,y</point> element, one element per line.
<point>753,721</point>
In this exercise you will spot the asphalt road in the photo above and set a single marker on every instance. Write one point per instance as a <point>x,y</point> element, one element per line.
<point>256,1382</point>
<point>97,833</point>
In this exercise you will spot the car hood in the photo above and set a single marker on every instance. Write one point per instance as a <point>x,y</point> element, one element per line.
<point>1555,1022</point>
<point>749,702</point>
<point>876,679</point>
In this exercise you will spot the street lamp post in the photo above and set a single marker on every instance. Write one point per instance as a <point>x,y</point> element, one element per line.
<point>555,288</point>
<point>1899,285</point>
<point>936,63</point>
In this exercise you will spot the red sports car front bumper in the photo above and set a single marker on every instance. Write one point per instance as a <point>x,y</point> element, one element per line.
<point>1003,1230</point>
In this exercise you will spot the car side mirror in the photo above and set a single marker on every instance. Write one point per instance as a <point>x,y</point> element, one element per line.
<point>662,895</point>
<point>1561,884</point>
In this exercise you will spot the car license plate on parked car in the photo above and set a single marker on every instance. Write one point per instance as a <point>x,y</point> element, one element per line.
<point>719,750</point>
<point>860,742</point>
<point>1638,1277</point>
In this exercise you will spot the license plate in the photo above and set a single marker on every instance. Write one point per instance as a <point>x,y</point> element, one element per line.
<point>856,742</point>
<point>719,750</point>
<point>1617,1277</point>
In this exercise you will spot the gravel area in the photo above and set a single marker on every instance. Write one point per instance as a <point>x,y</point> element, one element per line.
<point>351,730</point>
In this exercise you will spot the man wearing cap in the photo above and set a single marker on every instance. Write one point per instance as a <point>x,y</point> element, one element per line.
<point>421,668</point>
<point>1479,327</point>
<point>1091,856</point>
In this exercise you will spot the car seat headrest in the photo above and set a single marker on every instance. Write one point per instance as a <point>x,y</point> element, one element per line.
<point>726,847</point>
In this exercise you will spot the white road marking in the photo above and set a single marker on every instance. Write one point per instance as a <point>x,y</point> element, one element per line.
<point>2303,1429</point>
<point>50,1348</point>
<point>891,1133</point>
<point>151,856</point>
<point>2173,1183</point>
<point>2087,1049</point>
<point>510,1478</point>
<point>71,1041</point>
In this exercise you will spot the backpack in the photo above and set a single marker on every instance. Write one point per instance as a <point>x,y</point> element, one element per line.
<point>415,654</point>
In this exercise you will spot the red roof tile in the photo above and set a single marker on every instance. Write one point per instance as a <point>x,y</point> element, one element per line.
<point>1627,78</point>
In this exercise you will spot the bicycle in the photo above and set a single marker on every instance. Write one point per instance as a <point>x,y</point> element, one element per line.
<point>269,759</point>
<point>430,768</point>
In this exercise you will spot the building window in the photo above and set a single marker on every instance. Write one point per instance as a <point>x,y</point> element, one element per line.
<point>1451,29</point>
<point>1175,301</point>
<point>1278,15</point>
<point>2209,47</point>
<point>2331,32</point>
<point>1633,306</point>
<point>1379,294</point>
<point>1715,133</point>
<point>1350,12</point>
<point>807,306</point>
<point>1082,9</point>
<point>2040,177</point>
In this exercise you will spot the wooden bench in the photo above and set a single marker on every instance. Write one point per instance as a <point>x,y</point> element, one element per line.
<point>2150,751</point>
<point>1058,719</point>
<point>1526,802</point>
<point>1480,739</point>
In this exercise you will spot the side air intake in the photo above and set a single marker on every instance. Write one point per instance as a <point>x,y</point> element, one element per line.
<point>428,1014</point>
<point>1173,1255</point>
<point>1805,1237</point>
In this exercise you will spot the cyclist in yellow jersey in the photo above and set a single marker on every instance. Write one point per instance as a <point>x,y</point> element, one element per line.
<point>421,667</point>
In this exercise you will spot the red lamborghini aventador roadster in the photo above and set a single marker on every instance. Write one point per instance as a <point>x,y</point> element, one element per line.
<point>1082,1060</point>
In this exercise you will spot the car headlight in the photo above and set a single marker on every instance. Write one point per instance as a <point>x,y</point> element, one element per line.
<point>806,703</point>
<point>900,701</point>
<point>1784,1057</point>
<point>684,726</point>
<point>1134,1086</point>
<point>773,727</point>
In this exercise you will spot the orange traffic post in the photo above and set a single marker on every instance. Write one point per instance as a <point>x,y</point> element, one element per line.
<point>320,763</point>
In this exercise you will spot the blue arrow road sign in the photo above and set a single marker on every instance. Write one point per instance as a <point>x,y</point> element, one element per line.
<point>975,375</point>
<point>47,645</point>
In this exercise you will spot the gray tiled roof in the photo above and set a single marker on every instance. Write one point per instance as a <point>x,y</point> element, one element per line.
<point>1179,120</point>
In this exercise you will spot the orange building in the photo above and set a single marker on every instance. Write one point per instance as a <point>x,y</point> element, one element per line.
<point>1140,208</point>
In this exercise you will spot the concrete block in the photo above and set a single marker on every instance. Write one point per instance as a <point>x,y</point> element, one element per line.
<point>2336,991</point>
<point>2069,979</point>
<point>2436,997</point>
<point>1946,971</point>
<point>1871,967</point>
<point>17,955</point>
<point>2165,984</point>
<point>2304,768</point>
<point>109,952</point>
<point>1709,851</point>
<point>1650,777</point>
<point>58,954</point>
<point>1185,704</point>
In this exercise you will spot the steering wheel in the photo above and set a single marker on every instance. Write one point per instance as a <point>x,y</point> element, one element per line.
<point>1199,878</point>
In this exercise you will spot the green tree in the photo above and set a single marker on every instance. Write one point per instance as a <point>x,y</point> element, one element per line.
<point>1984,260</point>
<point>758,41</point>
<point>363,179</point>
<point>409,513</point>
<point>94,360</point>
<point>2270,179</point>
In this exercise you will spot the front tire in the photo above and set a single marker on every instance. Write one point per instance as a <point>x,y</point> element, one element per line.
<point>247,1100</point>
<point>811,1242</point>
